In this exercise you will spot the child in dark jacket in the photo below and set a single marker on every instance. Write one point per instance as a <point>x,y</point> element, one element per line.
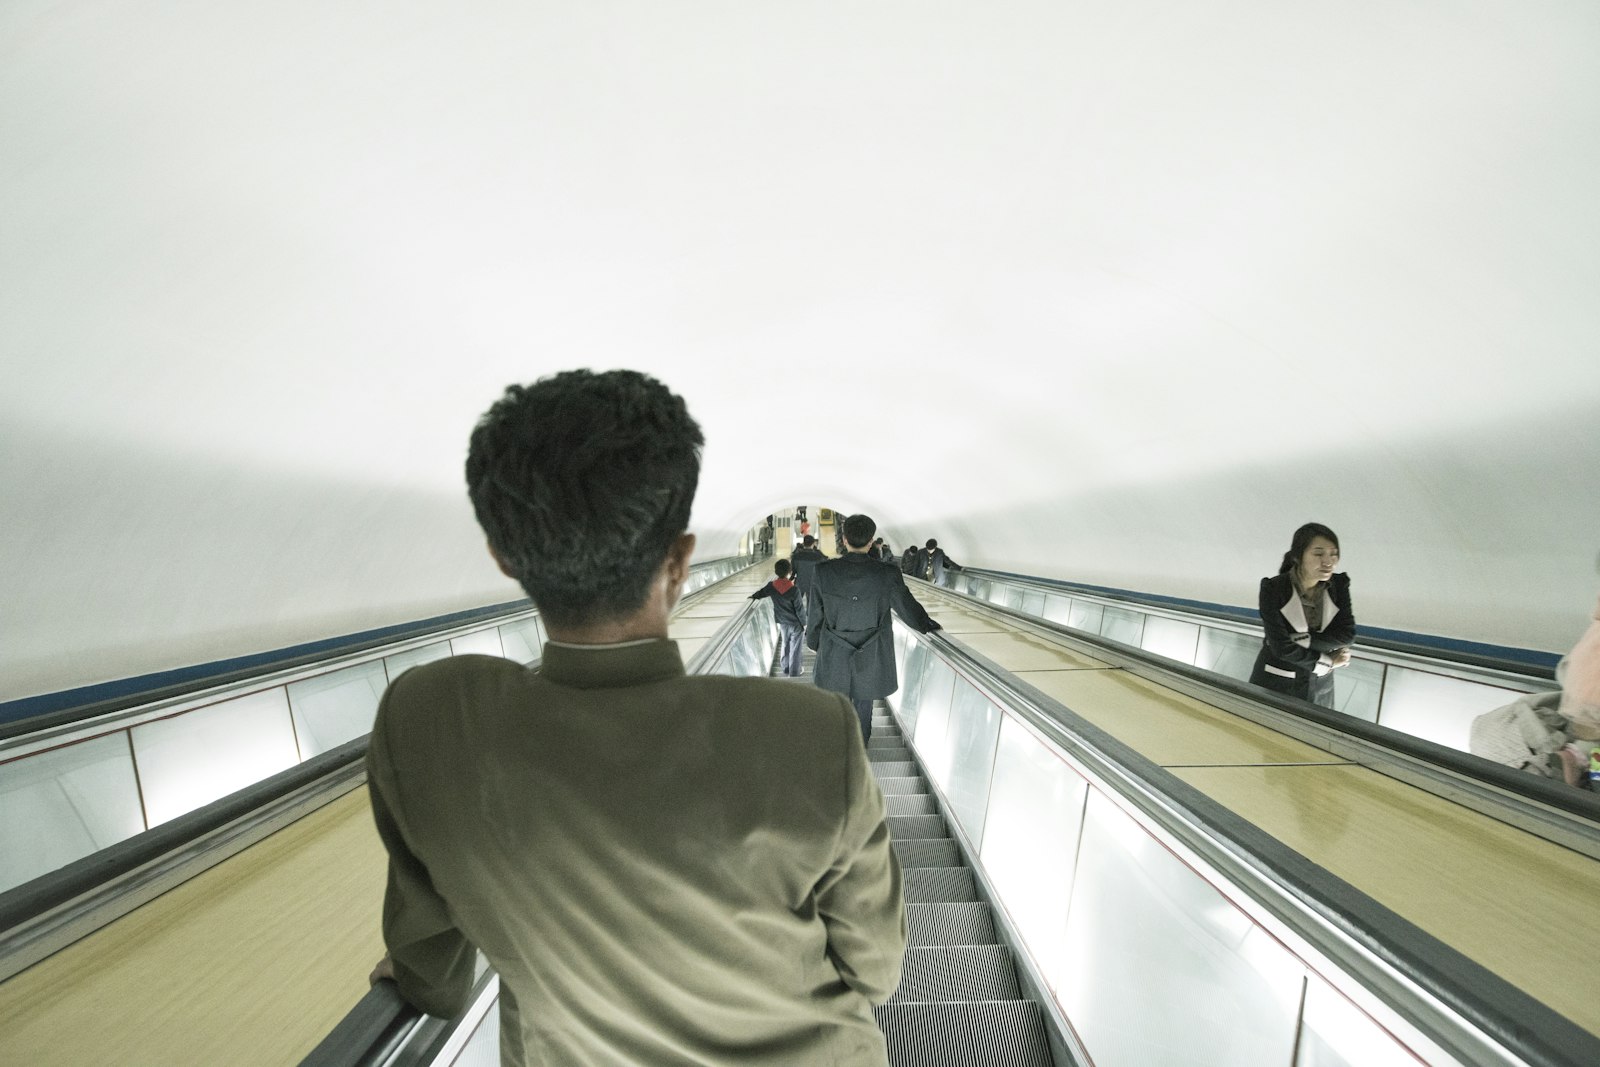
<point>787,612</point>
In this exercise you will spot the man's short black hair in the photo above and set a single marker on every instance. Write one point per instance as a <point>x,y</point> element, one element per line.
<point>808,540</point>
<point>858,531</point>
<point>781,568</point>
<point>582,481</point>
<point>932,543</point>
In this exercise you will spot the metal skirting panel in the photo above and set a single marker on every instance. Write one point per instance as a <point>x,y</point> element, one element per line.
<point>972,1035</point>
<point>949,924</point>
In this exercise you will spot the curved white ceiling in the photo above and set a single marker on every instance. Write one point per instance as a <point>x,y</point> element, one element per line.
<point>1119,293</point>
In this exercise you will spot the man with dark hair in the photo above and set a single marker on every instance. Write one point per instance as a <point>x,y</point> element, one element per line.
<point>932,562</point>
<point>848,623</point>
<point>660,868</point>
<point>803,561</point>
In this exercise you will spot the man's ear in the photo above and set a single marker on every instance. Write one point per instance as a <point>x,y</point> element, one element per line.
<point>678,557</point>
<point>500,561</point>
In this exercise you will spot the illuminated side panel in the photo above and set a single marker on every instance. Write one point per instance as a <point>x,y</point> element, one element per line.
<point>336,707</point>
<point>64,804</point>
<point>202,755</point>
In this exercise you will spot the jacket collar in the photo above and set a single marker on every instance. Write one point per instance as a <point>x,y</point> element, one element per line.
<point>611,666</point>
<point>1295,612</point>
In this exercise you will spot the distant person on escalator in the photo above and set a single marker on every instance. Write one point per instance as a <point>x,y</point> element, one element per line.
<point>908,560</point>
<point>660,868</point>
<point>803,565</point>
<point>932,562</point>
<point>789,613</point>
<point>848,624</point>
<point>1306,619</point>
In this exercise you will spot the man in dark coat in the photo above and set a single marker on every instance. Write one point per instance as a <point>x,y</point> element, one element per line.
<point>848,623</point>
<point>932,562</point>
<point>803,565</point>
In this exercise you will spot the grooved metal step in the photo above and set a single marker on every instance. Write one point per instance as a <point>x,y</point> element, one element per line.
<point>949,924</point>
<point>1009,1034</point>
<point>940,973</point>
<point>914,827</point>
<point>916,804</point>
<point>957,1003</point>
<point>939,885</point>
<point>933,852</point>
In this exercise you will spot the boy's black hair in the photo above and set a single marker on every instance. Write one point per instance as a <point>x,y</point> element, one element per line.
<point>781,568</point>
<point>582,481</point>
<point>858,530</point>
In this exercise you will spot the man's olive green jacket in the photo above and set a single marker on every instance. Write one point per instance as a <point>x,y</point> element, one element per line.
<point>662,869</point>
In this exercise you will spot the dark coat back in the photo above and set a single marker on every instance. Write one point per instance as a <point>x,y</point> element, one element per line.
<point>850,629</point>
<point>804,562</point>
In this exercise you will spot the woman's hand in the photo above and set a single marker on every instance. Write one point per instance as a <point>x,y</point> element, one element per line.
<point>384,969</point>
<point>1340,658</point>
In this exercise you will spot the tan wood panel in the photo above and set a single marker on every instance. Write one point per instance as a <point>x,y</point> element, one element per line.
<point>251,962</point>
<point>1526,909</point>
<point>1167,727</point>
<point>1023,652</point>
<point>955,621</point>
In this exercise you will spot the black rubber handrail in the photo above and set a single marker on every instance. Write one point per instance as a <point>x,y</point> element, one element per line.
<point>1245,616</point>
<point>43,894</point>
<point>370,1032</point>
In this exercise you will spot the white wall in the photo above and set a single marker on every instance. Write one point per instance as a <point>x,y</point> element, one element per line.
<point>1119,294</point>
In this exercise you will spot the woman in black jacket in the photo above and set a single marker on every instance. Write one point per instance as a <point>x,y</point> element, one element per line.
<point>1307,619</point>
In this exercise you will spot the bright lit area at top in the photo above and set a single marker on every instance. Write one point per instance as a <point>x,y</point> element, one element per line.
<point>1118,294</point>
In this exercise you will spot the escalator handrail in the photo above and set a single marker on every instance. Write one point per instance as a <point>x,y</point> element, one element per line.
<point>1539,667</point>
<point>1527,1027</point>
<point>38,897</point>
<point>198,679</point>
<point>1543,791</point>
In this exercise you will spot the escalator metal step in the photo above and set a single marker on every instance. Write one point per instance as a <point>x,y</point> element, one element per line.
<point>885,739</point>
<point>928,853</point>
<point>894,770</point>
<point>949,924</point>
<point>945,973</point>
<point>916,827</point>
<point>903,786</point>
<point>917,804</point>
<point>1004,1034</point>
<point>939,885</point>
<point>889,755</point>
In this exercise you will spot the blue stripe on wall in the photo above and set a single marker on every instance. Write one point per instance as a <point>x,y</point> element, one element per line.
<point>27,707</point>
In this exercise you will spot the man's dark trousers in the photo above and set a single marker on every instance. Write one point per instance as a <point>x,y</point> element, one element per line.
<point>864,713</point>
